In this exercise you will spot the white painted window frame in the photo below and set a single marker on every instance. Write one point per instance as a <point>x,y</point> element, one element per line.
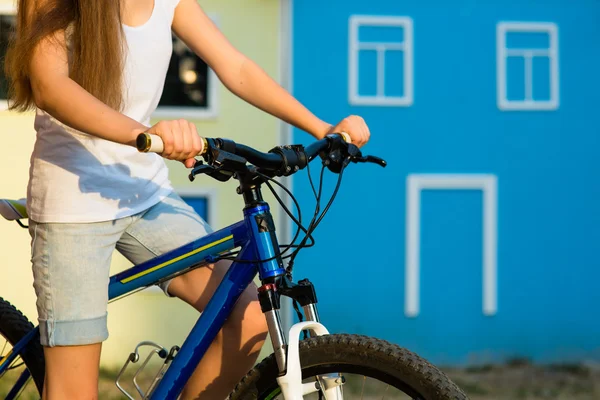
<point>502,54</point>
<point>415,184</point>
<point>212,89</point>
<point>6,9</point>
<point>286,62</point>
<point>355,46</point>
<point>211,197</point>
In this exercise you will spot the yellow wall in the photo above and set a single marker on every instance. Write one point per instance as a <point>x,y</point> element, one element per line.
<point>16,138</point>
<point>252,26</point>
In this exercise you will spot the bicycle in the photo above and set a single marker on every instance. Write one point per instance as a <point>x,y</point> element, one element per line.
<point>321,364</point>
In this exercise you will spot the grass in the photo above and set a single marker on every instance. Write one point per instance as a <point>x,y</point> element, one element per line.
<point>520,380</point>
<point>9,378</point>
<point>523,380</point>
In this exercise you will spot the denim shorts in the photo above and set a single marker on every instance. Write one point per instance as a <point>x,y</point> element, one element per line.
<point>71,263</point>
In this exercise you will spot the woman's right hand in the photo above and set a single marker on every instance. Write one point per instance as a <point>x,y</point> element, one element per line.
<point>181,140</point>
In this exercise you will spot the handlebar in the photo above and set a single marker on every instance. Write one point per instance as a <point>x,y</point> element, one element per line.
<point>227,155</point>
<point>149,143</point>
<point>258,158</point>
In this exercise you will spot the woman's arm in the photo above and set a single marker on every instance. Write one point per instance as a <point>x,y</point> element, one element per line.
<point>248,81</point>
<point>61,97</point>
<point>65,100</point>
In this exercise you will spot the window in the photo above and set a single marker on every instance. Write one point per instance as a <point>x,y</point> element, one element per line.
<point>527,66</point>
<point>190,86</point>
<point>202,201</point>
<point>200,205</point>
<point>7,25</point>
<point>380,61</point>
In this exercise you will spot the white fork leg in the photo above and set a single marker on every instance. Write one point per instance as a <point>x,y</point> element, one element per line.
<point>291,384</point>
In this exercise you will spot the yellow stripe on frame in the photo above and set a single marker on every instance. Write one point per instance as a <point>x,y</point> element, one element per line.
<point>181,257</point>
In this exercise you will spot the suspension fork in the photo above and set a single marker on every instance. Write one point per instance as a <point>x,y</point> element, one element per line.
<point>269,295</point>
<point>270,304</point>
<point>288,362</point>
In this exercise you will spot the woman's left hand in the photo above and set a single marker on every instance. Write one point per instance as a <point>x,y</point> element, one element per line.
<point>354,126</point>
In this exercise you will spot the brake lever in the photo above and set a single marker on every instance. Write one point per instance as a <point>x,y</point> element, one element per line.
<point>213,172</point>
<point>200,168</point>
<point>356,156</point>
<point>370,159</point>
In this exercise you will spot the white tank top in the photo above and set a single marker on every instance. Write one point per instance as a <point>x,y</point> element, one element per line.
<point>76,177</point>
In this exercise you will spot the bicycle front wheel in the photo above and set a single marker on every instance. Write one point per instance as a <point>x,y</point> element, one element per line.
<point>13,327</point>
<point>372,368</point>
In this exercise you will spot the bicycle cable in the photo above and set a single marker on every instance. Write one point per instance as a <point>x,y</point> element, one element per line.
<point>313,225</point>
<point>298,222</point>
<point>312,185</point>
<point>300,227</point>
<point>130,293</point>
<point>315,221</point>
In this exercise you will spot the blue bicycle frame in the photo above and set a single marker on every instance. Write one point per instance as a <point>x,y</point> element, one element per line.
<point>255,235</point>
<point>259,254</point>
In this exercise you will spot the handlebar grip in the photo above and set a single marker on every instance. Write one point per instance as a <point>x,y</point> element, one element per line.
<point>346,137</point>
<point>149,143</point>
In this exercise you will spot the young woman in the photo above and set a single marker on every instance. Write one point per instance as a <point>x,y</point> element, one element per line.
<point>94,71</point>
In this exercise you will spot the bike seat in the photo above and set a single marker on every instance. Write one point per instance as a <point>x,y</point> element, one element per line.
<point>13,209</point>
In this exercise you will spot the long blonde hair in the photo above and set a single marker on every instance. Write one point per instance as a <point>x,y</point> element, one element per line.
<point>96,38</point>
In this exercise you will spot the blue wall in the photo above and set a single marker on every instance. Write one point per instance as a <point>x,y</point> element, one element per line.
<point>546,164</point>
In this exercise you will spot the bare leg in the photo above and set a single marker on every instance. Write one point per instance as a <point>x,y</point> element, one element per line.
<point>235,349</point>
<point>72,372</point>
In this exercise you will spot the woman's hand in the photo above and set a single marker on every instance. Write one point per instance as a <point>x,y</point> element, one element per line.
<point>354,126</point>
<point>181,140</point>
